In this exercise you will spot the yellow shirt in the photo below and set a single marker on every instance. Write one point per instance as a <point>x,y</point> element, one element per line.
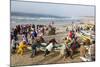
<point>22,45</point>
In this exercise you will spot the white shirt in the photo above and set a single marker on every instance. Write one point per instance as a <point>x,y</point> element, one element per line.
<point>12,43</point>
<point>49,47</point>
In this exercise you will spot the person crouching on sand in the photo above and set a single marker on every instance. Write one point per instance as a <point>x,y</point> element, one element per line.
<point>22,46</point>
<point>50,46</point>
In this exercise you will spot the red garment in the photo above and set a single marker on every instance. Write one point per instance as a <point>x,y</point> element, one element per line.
<point>70,34</point>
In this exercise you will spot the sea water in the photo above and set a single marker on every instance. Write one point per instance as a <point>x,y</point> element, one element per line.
<point>15,20</point>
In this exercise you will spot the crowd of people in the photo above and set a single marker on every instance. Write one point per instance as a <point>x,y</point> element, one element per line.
<point>36,40</point>
<point>28,33</point>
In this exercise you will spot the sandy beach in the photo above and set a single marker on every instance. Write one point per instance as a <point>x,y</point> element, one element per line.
<point>53,57</point>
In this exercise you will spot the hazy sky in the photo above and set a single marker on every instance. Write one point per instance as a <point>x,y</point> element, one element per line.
<point>52,9</point>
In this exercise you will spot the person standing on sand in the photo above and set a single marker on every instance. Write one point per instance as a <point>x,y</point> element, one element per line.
<point>25,38</point>
<point>18,29</point>
<point>33,26</point>
<point>13,45</point>
<point>71,45</point>
<point>35,45</point>
<point>15,34</point>
<point>12,34</point>
<point>33,34</point>
<point>70,34</point>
